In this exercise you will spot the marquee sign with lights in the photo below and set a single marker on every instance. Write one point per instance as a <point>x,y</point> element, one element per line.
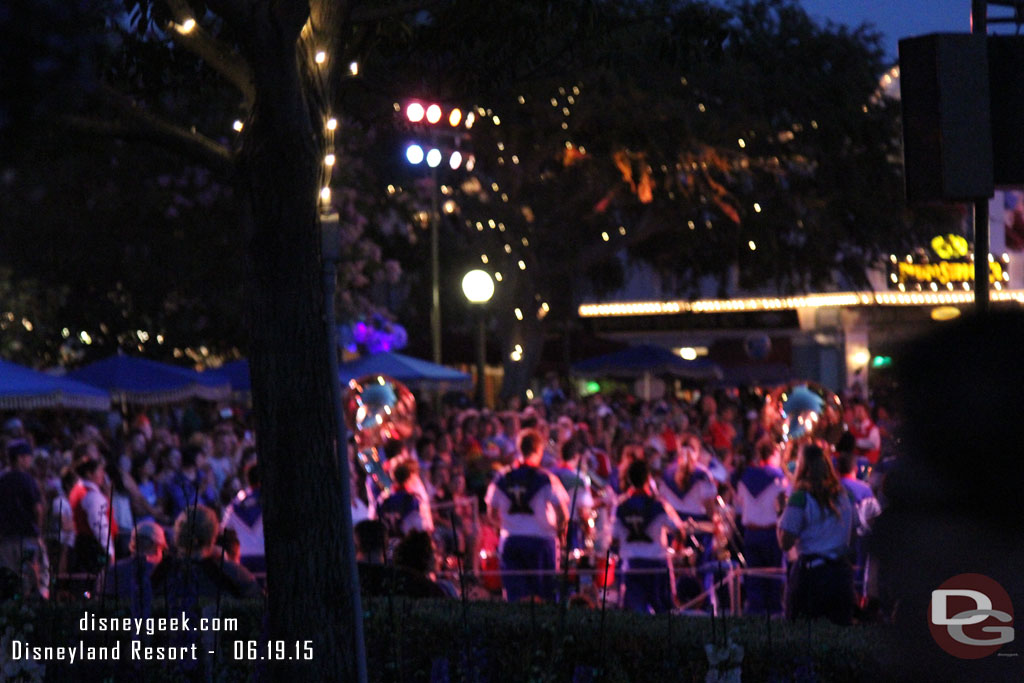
<point>948,266</point>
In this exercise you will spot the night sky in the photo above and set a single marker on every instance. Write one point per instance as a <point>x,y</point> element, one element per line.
<point>897,19</point>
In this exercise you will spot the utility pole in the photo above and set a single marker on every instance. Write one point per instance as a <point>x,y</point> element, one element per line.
<point>979,25</point>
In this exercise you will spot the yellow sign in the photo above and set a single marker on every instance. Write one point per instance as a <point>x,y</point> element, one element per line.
<point>950,246</point>
<point>943,272</point>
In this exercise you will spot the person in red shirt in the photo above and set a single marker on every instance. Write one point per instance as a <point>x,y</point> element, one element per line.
<point>720,433</point>
<point>867,438</point>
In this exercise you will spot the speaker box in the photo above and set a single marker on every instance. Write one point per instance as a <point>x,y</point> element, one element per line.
<point>947,134</point>
<point>1006,85</point>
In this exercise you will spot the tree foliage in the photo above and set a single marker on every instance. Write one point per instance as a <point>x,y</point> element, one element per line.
<point>730,147</point>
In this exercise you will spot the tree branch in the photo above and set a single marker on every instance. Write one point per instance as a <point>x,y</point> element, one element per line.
<point>650,225</point>
<point>218,55</point>
<point>148,128</point>
<point>367,15</point>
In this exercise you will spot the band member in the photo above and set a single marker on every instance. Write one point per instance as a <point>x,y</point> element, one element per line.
<point>531,507</point>
<point>818,520</point>
<point>757,502</point>
<point>642,527</point>
<point>403,511</point>
<point>689,489</point>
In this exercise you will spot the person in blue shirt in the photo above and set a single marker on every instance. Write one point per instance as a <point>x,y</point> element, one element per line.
<point>577,485</point>
<point>866,508</point>
<point>191,484</point>
<point>818,521</point>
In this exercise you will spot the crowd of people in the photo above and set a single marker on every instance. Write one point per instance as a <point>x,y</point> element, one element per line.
<point>652,501</point>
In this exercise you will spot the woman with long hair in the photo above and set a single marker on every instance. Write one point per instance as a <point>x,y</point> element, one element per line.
<point>689,489</point>
<point>817,521</point>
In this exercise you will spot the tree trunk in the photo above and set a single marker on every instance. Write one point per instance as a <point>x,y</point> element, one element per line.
<point>302,504</point>
<point>529,334</point>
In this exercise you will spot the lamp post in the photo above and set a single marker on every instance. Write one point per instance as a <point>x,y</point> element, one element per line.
<point>478,287</point>
<point>429,115</point>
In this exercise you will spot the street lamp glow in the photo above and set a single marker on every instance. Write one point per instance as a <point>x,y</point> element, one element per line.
<point>456,160</point>
<point>414,154</point>
<point>478,286</point>
<point>433,113</point>
<point>455,117</point>
<point>434,158</point>
<point>414,112</point>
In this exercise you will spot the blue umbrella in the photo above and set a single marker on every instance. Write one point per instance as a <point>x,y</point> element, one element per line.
<point>25,389</point>
<point>237,374</point>
<point>636,361</point>
<point>147,382</point>
<point>406,369</point>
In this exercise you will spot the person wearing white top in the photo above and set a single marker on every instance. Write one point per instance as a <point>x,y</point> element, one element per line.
<point>531,507</point>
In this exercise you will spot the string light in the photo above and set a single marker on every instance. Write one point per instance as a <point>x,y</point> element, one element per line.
<point>832,300</point>
<point>329,160</point>
<point>320,57</point>
<point>237,125</point>
<point>483,258</point>
<point>522,265</point>
<point>332,124</point>
<point>325,195</point>
<point>752,245</point>
<point>497,276</point>
<point>353,68</point>
<point>519,313</point>
<point>185,27</point>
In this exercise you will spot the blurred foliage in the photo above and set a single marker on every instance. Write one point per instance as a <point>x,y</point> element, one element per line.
<point>420,640</point>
